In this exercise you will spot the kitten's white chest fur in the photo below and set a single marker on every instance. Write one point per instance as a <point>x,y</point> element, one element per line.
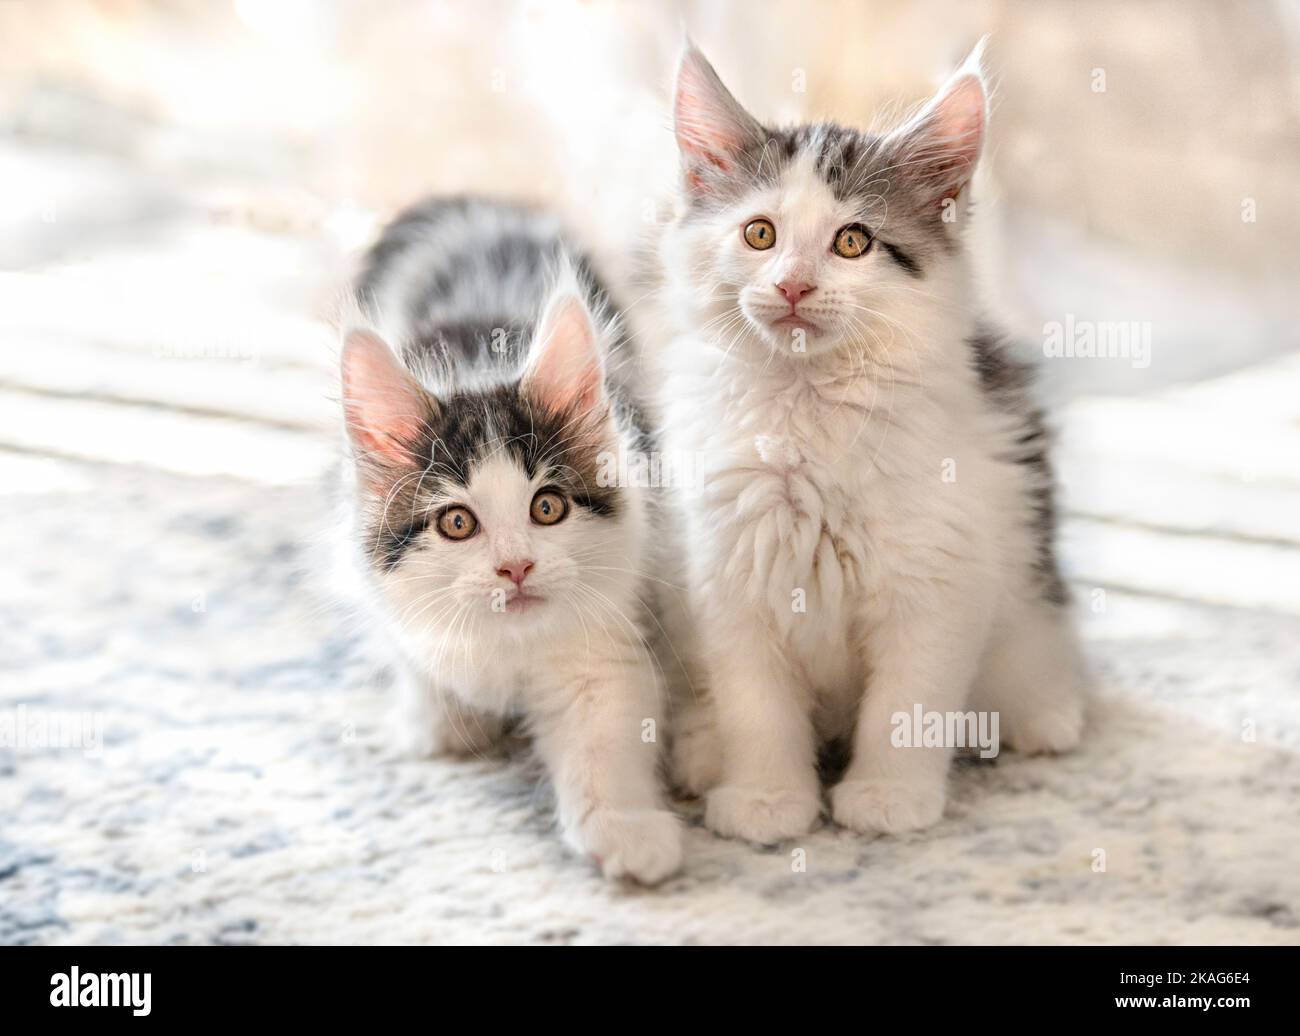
<point>856,546</point>
<point>819,494</point>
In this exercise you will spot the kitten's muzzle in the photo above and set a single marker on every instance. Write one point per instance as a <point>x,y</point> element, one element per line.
<point>794,291</point>
<point>515,571</point>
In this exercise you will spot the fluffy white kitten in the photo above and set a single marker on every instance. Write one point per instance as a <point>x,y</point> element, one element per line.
<point>873,525</point>
<point>512,581</point>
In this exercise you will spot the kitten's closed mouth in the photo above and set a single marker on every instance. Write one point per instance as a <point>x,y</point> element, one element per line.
<point>522,602</point>
<point>793,321</point>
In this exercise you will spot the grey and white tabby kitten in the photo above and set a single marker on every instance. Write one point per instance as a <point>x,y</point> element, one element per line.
<point>872,529</point>
<point>512,581</point>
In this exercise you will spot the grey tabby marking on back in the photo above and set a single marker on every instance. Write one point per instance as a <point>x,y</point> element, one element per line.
<point>460,281</point>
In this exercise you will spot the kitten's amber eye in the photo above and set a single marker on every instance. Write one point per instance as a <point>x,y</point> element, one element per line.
<point>549,507</point>
<point>852,241</point>
<point>457,523</point>
<point>760,234</point>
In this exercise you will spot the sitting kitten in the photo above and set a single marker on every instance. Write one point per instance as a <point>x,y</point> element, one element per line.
<point>873,524</point>
<point>512,582</point>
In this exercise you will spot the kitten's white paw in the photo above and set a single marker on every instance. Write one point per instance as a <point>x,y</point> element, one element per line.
<point>764,816</point>
<point>642,844</point>
<point>886,806</point>
<point>1048,731</point>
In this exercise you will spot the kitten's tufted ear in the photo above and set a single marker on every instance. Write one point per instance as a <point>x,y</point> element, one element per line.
<point>943,143</point>
<point>384,407</point>
<point>712,128</point>
<point>564,370</point>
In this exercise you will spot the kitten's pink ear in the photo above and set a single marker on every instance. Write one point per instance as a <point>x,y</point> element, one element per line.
<point>945,140</point>
<point>712,128</point>
<point>384,407</point>
<point>564,370</point>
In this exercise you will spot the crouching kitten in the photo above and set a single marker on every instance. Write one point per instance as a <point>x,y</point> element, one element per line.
<point>873,526</point>
<point>479,397</point>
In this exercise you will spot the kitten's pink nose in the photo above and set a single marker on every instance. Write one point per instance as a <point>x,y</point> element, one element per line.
<point>794,290</point>
<point>516,570</point>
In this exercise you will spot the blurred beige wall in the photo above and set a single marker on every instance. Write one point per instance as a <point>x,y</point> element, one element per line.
<point>1150,127</point>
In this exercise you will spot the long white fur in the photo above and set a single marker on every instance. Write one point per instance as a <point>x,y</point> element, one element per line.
<point>577,668</point>
<point>836,577</point>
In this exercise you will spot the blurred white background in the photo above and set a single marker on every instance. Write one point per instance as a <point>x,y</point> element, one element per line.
<point>1125,141</point>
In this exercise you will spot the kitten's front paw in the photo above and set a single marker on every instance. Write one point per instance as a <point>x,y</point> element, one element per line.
<point>642,844</point>
<point>764,816</point>
<point>887,806</point>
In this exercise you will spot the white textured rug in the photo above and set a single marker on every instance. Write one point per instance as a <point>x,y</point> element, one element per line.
<point>245,793</point>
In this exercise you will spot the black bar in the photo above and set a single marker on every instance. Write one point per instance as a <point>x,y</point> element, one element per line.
<point>338,985</point>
